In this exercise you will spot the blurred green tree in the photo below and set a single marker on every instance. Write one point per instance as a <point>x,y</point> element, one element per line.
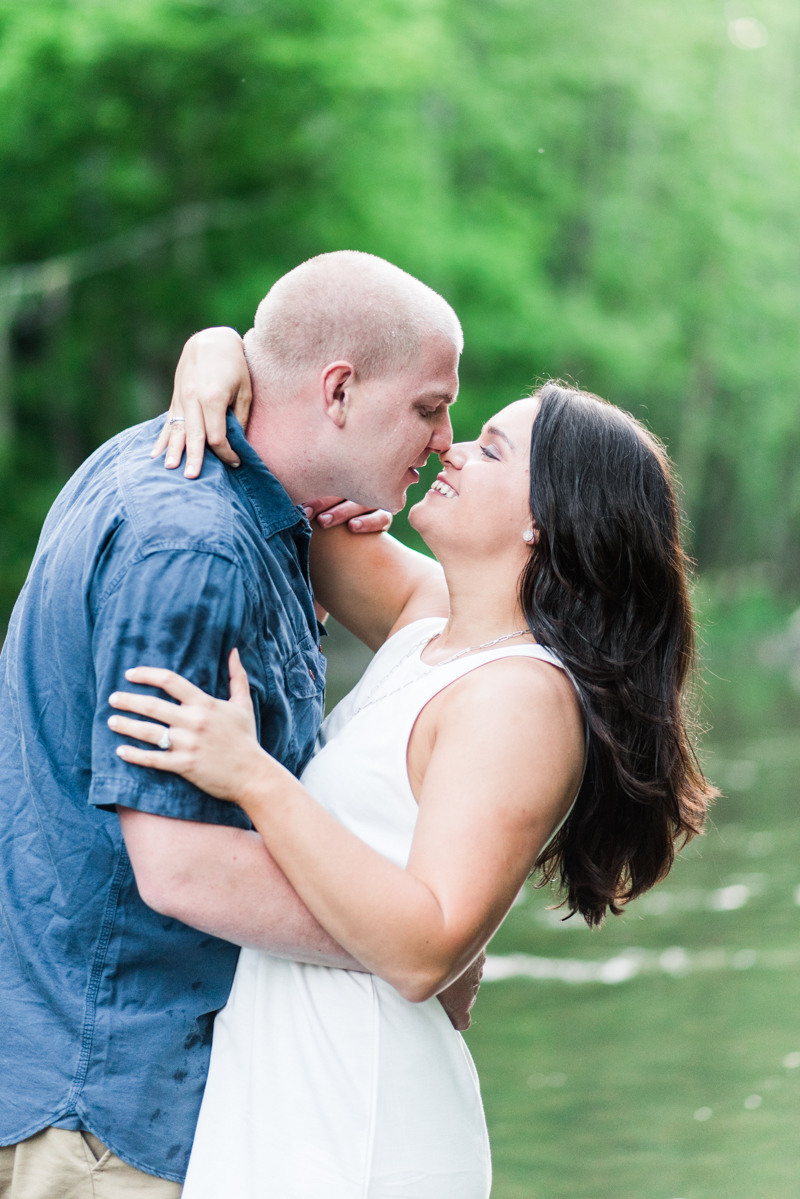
<point>604,190</point>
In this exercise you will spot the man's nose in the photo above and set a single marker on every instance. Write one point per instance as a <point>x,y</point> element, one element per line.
<point>442,436</point>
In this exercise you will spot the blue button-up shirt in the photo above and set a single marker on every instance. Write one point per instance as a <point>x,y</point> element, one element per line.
<point>107,1007</point>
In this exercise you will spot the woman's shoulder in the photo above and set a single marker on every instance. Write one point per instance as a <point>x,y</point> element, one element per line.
<point>526,683</point>
<point>514,723</point>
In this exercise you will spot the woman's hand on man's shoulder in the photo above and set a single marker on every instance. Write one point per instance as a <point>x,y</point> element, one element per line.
<point>212,376</point>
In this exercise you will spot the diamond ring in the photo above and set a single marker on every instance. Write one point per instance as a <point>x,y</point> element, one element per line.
<point>173,420</point>
<point>165,742</point>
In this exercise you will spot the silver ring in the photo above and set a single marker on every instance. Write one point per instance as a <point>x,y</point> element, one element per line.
<point>165,742</point>
<point>173,420</point>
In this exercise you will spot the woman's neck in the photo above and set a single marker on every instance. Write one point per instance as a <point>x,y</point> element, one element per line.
<point>481,609</point>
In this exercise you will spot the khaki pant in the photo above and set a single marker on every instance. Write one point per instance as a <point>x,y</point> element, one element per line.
<point>58,1164</point>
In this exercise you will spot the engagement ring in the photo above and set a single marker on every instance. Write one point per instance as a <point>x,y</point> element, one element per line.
<point>165,742</point>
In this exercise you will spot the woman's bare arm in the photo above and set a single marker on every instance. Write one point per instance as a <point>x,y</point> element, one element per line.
<point>374,585</point>
<point>223,881</point>
<point>506,754</point>
<point>506,763</point>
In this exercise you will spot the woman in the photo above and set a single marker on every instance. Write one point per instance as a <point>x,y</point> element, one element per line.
<point>524,710</point>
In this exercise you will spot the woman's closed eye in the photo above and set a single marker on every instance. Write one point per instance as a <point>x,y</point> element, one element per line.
<point>491,451</point>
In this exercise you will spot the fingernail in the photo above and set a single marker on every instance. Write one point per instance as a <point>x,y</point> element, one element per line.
<point>355,524</point>
<point>121,751</point>
<point>236,463</point>
<point>112,722</point>
<point>325,519</point>
<point>171,462</point>
<point>308,511</point>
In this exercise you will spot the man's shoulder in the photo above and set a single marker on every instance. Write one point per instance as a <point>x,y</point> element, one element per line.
<point>166,510</point>
<point>122,507</point>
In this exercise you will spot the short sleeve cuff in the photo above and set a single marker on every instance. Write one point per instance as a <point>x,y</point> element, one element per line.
<point>174,798</point>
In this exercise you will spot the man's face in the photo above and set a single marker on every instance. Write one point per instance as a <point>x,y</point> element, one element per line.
<point>395,423</point>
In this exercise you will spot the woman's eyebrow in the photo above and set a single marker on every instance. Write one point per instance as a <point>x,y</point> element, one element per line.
<point>495,432</point>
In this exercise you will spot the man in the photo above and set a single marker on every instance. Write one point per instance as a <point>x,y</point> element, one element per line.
<point>126,893</point>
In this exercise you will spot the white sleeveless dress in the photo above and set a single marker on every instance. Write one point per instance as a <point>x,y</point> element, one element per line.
<point>327,1084</point>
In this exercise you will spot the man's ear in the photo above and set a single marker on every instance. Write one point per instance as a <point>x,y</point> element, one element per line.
<point>336,381</point>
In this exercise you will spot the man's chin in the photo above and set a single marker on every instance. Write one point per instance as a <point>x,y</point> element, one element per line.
<point>395,503</point>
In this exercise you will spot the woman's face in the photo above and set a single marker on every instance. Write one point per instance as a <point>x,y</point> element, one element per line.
<point>479,504</point>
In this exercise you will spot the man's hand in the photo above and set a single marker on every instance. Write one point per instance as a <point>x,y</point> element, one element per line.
<point>331,511</point>
<point>459,997</point>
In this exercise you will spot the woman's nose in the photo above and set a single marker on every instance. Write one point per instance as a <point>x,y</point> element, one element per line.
<point>457,455</point>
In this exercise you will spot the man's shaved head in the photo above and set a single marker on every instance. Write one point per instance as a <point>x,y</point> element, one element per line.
<point>345,306</point>
<point>354,365</point>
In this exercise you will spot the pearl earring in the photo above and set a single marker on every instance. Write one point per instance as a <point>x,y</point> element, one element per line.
<point>527,535</point>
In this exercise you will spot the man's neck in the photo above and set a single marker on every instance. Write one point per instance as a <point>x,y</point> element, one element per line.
<point>282,439</point>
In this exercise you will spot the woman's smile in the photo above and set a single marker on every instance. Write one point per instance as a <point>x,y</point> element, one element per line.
<point>441,486</point>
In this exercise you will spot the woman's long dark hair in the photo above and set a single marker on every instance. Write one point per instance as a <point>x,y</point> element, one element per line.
<point>606,590</point>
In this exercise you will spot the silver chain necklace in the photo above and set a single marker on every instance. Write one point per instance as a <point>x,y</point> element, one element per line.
<point>374,698</point>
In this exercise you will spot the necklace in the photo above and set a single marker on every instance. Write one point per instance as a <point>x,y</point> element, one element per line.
<point>373,696</point>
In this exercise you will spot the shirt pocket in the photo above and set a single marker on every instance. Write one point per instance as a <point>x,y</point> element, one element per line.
<point>304,673</point>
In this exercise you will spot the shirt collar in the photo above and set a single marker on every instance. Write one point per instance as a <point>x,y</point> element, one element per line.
<point>273,508</point>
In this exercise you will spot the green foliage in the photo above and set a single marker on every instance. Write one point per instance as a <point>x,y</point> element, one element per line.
<point>604,191</point>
